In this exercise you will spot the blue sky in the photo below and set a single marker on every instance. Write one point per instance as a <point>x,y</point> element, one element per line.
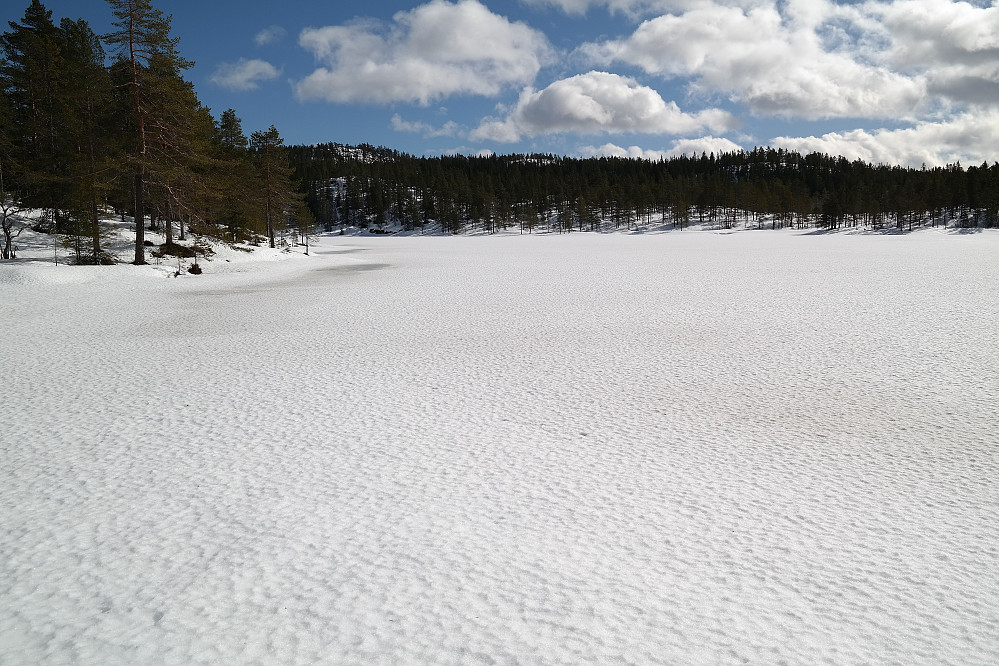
<point>894,81</point>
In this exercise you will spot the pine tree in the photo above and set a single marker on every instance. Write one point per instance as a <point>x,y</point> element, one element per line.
<point>236,177</point>
<point>229,132</point>
<point>8,171</point>
<point>10,207</point>
<point>180,169</point>
<point>86,95</point>
<point>278,197</point>
<point>31,76</point>
<point>143,34</point>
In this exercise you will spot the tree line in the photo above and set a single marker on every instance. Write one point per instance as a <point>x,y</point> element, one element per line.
<point>372,186</point>
<point>91,123</point>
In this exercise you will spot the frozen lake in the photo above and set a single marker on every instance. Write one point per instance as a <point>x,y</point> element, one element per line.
<point>762,447</point>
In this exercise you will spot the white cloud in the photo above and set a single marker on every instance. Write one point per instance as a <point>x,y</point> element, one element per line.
<point>931,32</point>
<point>707,144</point>
<point>568,6</point>
<point>244,74</point>
<point>269,35</point>
<point>633,7</point>
<point>450,128</point>
<point>971,138</point>
<point>954,45</point>
<point>594,103</point>
<point>613,150</point>
<point>433,51</point>
<point>774,60</point>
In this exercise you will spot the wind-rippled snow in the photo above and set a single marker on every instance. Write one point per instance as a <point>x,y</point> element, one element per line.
<point>678,448</point>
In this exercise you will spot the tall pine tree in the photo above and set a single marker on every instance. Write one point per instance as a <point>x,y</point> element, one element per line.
<point>142,35</point>
<point>86,135</point>
<point>181,171</point>
<point>31,75</point>
<point>278,197</point>
<point>236,178</point>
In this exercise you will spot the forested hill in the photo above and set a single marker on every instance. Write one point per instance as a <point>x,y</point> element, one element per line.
<point>371,186</point>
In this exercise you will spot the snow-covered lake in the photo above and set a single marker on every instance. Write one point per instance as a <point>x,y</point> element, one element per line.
<point>760,447</point>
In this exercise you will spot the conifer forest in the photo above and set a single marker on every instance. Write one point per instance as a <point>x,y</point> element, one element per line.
<point>362,185</point>
<point>93,125</point>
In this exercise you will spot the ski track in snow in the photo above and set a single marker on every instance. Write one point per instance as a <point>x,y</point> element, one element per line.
<point>678,448</point>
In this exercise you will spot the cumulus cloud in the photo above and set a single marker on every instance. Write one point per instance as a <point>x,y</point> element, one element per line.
<point>633,7</point>
<point>774,59</point>
<point>969,137</point>
<point>577,6</point>
<point>450,128</point>
<point>930,32</point>
<point>707,144</point>
<point>930,64</point>
<point>269,35</point>
<point>954,45</point>
<point>433,51</point>
<point>244,74</point>
<point>594,103</point>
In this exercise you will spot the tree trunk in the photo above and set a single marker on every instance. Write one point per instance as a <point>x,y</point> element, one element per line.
<point>168,223</point>
<point>140,238</point>
<point>95,227</point>
<point>267,205</point>
<point>95,221</point>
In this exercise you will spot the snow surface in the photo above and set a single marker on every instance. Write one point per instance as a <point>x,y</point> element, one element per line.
<point>762,447</point>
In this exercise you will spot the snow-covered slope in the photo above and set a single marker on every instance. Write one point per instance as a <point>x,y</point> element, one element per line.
<point>760,447</point>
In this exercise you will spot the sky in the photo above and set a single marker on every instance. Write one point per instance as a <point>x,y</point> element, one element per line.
<point>907,82</point>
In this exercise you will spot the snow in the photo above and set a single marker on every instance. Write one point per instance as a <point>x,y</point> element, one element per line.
<point>763,447</point>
